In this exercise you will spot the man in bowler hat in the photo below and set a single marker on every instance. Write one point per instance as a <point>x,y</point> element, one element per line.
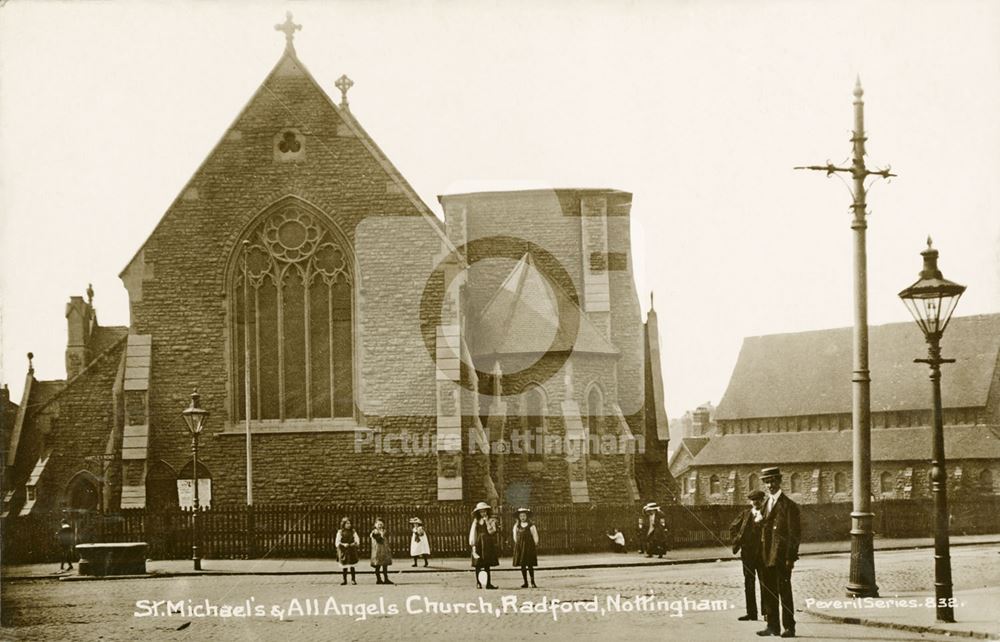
<point>745,532</point>
<point>780,537</point>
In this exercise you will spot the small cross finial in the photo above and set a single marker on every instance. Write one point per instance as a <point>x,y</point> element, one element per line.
<point>289,28</point>
<point>343,84</point>
<point>31,366</point>
<point>929,247</point>
<point>90,293</point>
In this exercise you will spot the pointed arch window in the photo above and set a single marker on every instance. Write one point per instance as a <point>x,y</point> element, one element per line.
<point>534,419</point>
<point>595,420</point>
<point>293,296</point>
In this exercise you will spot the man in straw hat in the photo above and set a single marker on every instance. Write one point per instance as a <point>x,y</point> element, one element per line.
<point>745,532</point>
<point>780,537</point>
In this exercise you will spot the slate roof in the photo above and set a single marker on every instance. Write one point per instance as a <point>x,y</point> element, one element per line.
<point>694,444</point>
<point>523,317</point>
<point>888,444</point>
<point>809,373</point>
<point>103,337</point>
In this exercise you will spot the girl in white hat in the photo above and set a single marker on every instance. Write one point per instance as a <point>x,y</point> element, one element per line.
<point>483,538</point>
<point>419,545</point>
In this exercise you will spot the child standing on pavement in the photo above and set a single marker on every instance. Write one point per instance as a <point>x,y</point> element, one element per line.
<point>65,537</point>
<point>526,546</point>
<point>419,544</point>
<point>381,554</point>
<point>347,549</point>
<point>483,539</point>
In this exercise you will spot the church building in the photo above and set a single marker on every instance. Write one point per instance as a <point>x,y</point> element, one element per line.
<point>375,353</point>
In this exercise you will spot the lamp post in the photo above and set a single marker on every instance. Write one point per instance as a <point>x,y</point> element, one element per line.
<point>195,417</point>
<point>862,571</point>
<point>931,301</point>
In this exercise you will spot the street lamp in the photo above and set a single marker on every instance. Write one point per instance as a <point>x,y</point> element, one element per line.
<point>195,417</point>
<point>931,300</point>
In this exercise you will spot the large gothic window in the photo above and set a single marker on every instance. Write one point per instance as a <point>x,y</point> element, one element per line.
<point>293,299</point>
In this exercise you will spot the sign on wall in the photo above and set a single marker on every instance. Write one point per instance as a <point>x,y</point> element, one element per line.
<point>185,493</point>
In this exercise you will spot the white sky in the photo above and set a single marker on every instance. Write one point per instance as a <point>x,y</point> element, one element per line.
<point>701,109</point>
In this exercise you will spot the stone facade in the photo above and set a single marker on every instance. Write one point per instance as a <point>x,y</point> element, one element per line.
<point>297,242</point>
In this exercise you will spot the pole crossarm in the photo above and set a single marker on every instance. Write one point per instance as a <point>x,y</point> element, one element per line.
<point>830,168</point>
<point>862,570</point>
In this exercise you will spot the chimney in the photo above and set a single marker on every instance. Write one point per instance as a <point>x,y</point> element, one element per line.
<point>80,319</point>
<point>701,420</point>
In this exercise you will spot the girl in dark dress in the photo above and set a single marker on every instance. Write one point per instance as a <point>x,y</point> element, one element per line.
<point>483,539</point>
<point>381,554</point>
<point>526,546</point>
<point>347,549</point>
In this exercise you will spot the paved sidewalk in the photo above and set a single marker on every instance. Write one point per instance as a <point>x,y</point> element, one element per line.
<point>977,612</point>
<point>267,566</point>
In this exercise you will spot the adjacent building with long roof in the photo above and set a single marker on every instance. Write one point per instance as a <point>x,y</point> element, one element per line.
<point>788,404</point>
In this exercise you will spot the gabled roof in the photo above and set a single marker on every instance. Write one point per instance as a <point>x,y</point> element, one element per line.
<point>289,66</point>
<point>694,444</point>
<point>809,373</point>
<point>690,447</point>
<point>888,444</point>
<point>523,317</point>
<point>103,337</point>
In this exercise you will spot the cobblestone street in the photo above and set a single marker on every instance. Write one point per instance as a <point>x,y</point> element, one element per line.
<point>104,609</point>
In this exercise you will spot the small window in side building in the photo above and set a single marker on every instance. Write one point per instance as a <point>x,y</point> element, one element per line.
<point>840,483</point>
<point>886,483</point>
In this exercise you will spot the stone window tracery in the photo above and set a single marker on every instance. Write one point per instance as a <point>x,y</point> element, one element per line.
<point>295,303</point>
<point>289,145</point>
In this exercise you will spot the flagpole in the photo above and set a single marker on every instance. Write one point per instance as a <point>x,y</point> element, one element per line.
<point>246,368</point>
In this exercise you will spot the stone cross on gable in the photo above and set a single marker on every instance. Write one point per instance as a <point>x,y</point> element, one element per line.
<point>289,28</point>
<point>343,84</point>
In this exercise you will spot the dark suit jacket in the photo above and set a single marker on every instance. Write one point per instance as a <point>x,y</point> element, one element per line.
<point>781,533</point>
<point>745,535</point>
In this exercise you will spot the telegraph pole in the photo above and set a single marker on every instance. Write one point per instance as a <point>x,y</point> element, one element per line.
<point>862,575</point>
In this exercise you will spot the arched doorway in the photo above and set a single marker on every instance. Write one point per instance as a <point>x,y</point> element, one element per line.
<point>161,485</point>
<point>83,492</point>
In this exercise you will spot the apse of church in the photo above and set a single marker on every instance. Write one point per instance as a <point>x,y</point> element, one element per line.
<point>390,357</point>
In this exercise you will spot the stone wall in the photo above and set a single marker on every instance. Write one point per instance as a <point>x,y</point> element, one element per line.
<point>86,417</point>
<point>178,285</point>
